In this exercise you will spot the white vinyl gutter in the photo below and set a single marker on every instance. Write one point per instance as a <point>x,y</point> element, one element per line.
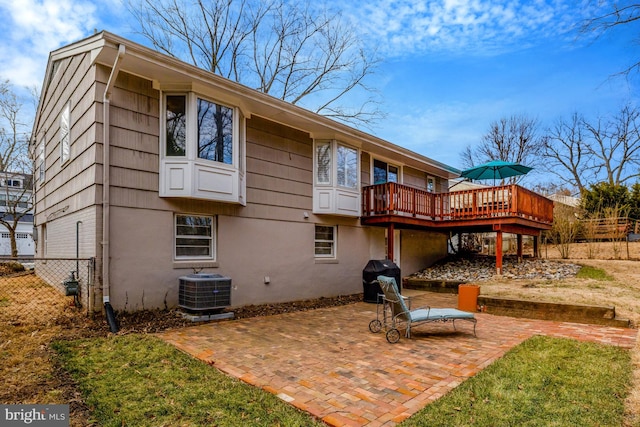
<point>106,166</point>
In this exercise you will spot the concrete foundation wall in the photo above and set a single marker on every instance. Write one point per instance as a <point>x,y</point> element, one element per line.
<point>420,249</point>
<point>144,275</point>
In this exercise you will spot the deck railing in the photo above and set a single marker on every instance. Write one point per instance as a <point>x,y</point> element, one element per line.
<point>401,200</point>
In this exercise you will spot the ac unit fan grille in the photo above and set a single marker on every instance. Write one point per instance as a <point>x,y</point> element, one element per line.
<point>200,292</point>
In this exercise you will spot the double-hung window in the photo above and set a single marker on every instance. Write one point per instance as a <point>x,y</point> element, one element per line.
<point>325,241</point>
<point>194,237</point>
<point>336,178</point>
<point>203,149</point>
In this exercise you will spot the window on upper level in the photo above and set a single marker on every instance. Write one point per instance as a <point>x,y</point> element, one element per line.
<point>337,178</point>
<point>41,157</point>
<point>176,125</point>
<point>12,182</point>
<point>384,172</point>
<point>65,137</point>
<point>215,132</point>
<point>431,184</point>
<point>203,149</point>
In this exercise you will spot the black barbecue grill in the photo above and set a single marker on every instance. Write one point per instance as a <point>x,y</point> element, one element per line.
<point>373,269</point>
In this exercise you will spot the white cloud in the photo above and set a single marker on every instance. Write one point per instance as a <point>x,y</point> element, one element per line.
<point>484,27</point>
<point>442,131</point>
<point>32,28</point>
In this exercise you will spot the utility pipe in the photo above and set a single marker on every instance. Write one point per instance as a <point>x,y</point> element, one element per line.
<point>78,248</point>
<point>106,166</point>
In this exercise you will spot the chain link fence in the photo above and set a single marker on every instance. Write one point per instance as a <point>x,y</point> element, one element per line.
<point>32,290</point>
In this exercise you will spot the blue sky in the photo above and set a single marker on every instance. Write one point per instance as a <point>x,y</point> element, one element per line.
<point>450,67</point>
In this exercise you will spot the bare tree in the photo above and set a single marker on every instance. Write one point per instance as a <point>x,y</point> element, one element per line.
<point>16,197</point>
<point>582,153</point>
<point>566,152</point>
<point>513,139</point>
<point>615,149</point>
<point>616,16</point>
<point>294,51</point>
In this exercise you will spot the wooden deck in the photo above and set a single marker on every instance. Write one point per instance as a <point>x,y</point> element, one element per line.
<point>392,202</point>
<point>509,209</point>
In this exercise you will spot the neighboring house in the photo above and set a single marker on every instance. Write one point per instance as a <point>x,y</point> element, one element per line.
<point>16,200</point>
<point>170,169</point>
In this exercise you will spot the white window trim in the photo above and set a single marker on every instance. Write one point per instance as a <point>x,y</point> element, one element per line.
<point>389,162</point>
<point>316,168</point>
<point>189,176</point>
<point>191,146</point>
<point>41,161</point>
<point>432,179</point>
<point>214,232</point>
<point>334,246</point>
<point>65,138</point>
<point>333,163</point>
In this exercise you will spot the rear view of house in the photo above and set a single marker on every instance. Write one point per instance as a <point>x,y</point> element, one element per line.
<point>160,169</point>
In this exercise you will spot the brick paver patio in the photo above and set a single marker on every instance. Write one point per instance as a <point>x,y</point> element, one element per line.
<point>326,361</point>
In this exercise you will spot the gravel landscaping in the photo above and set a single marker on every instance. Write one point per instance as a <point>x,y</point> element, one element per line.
<point>481,268</point>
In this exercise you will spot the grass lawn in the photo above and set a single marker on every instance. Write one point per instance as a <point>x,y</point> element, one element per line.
<point>139,380</point>
<point>542,382</point>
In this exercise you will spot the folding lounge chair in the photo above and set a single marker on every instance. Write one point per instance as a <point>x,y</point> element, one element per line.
<point>396,313</point>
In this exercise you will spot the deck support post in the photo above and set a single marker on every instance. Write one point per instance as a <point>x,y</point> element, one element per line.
<point>519,253</point>
<point>535,246</point>
<point>390,239</point>
<point>499,252</point>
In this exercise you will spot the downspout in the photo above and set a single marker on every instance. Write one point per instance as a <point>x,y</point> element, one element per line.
<point>106,166</point>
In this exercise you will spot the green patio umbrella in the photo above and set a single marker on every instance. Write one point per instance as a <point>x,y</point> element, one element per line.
<point>495,169</point>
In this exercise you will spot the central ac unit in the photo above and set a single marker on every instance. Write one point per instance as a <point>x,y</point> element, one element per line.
<point>204,292</point>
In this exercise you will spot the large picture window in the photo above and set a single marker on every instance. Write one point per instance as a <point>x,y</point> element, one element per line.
<point>325,242</point>
<point>210,128</point>
<point>215,132</point>
<point>194,237</point>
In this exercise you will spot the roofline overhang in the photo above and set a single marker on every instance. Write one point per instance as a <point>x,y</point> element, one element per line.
<point>167,72</point>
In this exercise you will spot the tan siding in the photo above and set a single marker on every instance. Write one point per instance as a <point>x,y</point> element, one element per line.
<point>365,169</point>
<point>279,185</point>
<point>134,142</point>
<point>135,179</point>
<point>274,156</point>
<point>279,171</point>
<point>132,159</point>
<point>414,178</point>
<point>69,185</point>
<point>272,198</point>
<point>279,130</point>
